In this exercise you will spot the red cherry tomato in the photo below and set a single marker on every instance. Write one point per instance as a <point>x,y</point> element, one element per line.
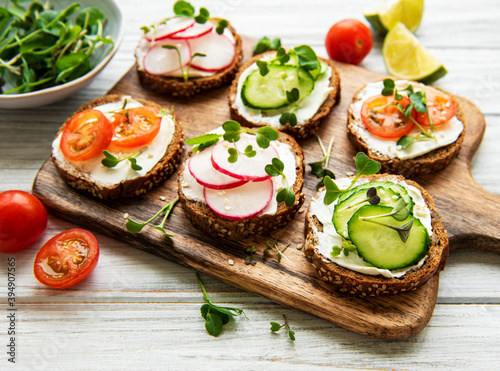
<point>381,117</point>
<point>136,126</point>
<point>86,135</point>
<point>67,258</point>
<point>440,106</point>
<point>23,219</point>
<point>349,41</point>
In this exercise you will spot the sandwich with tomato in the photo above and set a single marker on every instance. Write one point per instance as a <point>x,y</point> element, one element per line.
<point>410,128</point>
<point>118,146</point>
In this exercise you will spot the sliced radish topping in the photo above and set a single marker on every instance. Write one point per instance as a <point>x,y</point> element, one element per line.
<point>245,168</point>
<point>162,61</point>
<point>200,167</point>
<point>196,30</point>
<point>219,50</point>
<point>240,203</point>
<point>166,29</point>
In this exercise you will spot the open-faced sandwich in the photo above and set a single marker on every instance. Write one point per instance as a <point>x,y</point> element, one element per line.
<point>375,235</point>
<point>118,146</point>
<point>408,127</point>
<point>186,54</point>
<point>289,91</point>
<point>238,181</point>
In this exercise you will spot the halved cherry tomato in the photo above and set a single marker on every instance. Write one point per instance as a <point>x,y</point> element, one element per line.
<point>67,258</point>
<point>23,219</point>
<point>381,117</point>
<point>440,106</point>
<point>86,135</point>
<point>136,126</point>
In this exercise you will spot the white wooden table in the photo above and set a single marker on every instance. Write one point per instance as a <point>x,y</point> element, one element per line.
<point>137,311</point>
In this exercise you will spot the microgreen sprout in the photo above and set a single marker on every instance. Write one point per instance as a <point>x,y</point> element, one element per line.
<point>371,197</point>
<point>266,44</point>
<point>110,160</point>
<point>275,327</point>
<point>399,212</point>
<point>289,116</point>
<point>215,316</point>
<point>346,248</point>
<point>250,258</point>
<point>273,246</point>
<point>319,168</point>
<point>364,165</point>
<point>184,73</point>
<point>286,194</point>
<point>403,230</point>
<point>136,227</point>
<point>233,153</point>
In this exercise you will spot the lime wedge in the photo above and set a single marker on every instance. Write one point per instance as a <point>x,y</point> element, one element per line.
<point>385,14</point>
<point>406,58</point>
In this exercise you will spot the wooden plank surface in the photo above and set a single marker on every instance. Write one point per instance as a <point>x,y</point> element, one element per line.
<point>389,317</point>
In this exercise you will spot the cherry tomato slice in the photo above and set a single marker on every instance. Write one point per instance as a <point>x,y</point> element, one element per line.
<point>67,258</point>
<point>348,41</point>
<point>381,117</point>
<point>86,135</point>
<point>136,126</point>
<point>23,219</point>
<point>440,106</point>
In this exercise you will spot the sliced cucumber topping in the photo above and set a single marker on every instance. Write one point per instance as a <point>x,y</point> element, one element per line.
<point>382,246</point>
<point>269,91</point>
<point>345,209</point>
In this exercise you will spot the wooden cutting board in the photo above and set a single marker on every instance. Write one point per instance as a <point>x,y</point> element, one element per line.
<point>293,282</point>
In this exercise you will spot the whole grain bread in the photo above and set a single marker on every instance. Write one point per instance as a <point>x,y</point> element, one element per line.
<point>177,87</point>
<point>132,187</point>
<point>428,163</point>
<point>359,284</point>
<point>301,130</point>
<point>200,215</point>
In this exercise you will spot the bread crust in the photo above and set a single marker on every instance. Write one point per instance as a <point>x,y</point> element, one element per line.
<point>300,131</point>
<point>132,187</point>
<point>176,87</point>
<point>200,215</point>
<point>427,163</point>
<point>351,282</point>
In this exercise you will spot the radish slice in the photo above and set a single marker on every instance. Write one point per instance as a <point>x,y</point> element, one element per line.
<point>161,61</point>
<point>194,31</point>
<point>219,50</point>
<point>166,29</point>
<point>245,168</point>
<point>240,203</point>
<point>200,167</point>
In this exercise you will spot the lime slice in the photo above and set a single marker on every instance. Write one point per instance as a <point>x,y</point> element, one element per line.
<point>385,14</point>
<point>406,58</point>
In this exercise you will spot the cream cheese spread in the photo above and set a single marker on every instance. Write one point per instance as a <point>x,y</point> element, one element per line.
<point>307,106</point>
<point>329,237</point>
<point>123,171</point>
<point>445,134</point>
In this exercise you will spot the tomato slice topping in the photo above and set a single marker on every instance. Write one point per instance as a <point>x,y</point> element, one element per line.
<point>136,126</point>
<point>86,135</point>
<point>440,106</point>
<point>67,258</point>
<point>381,117</point>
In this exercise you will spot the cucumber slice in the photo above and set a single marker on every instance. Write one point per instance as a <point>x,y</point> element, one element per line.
<point>269,91</point>
<point>381,246</point>
<point>344,210</point>
<point>398,188</point>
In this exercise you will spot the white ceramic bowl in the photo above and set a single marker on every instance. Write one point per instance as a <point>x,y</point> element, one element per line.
<point>114,27</point>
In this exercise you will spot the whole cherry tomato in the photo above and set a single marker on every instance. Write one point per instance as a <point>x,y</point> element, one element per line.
<point>349,41</point>
<point>23,219</point>
<point>67,258</point>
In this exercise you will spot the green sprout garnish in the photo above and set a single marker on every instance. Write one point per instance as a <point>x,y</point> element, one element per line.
<point>275,327</point>
<point>286,194</point>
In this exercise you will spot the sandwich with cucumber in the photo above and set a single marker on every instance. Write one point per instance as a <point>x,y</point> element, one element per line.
<point>375,235</point>
<point>291,91</point>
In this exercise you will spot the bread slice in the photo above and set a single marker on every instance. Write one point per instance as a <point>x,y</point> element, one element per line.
<point>132,187</point>
<point>427,163</point>
<point>359,284</point>
<point>200,215</point>
<point>176,87</point>
<point>301,130</point>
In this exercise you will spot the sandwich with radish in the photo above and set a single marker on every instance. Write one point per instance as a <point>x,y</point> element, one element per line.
<point>239,181</point>
<point>118,146</point>
<point>291,91</point>
<point>188,53</point>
